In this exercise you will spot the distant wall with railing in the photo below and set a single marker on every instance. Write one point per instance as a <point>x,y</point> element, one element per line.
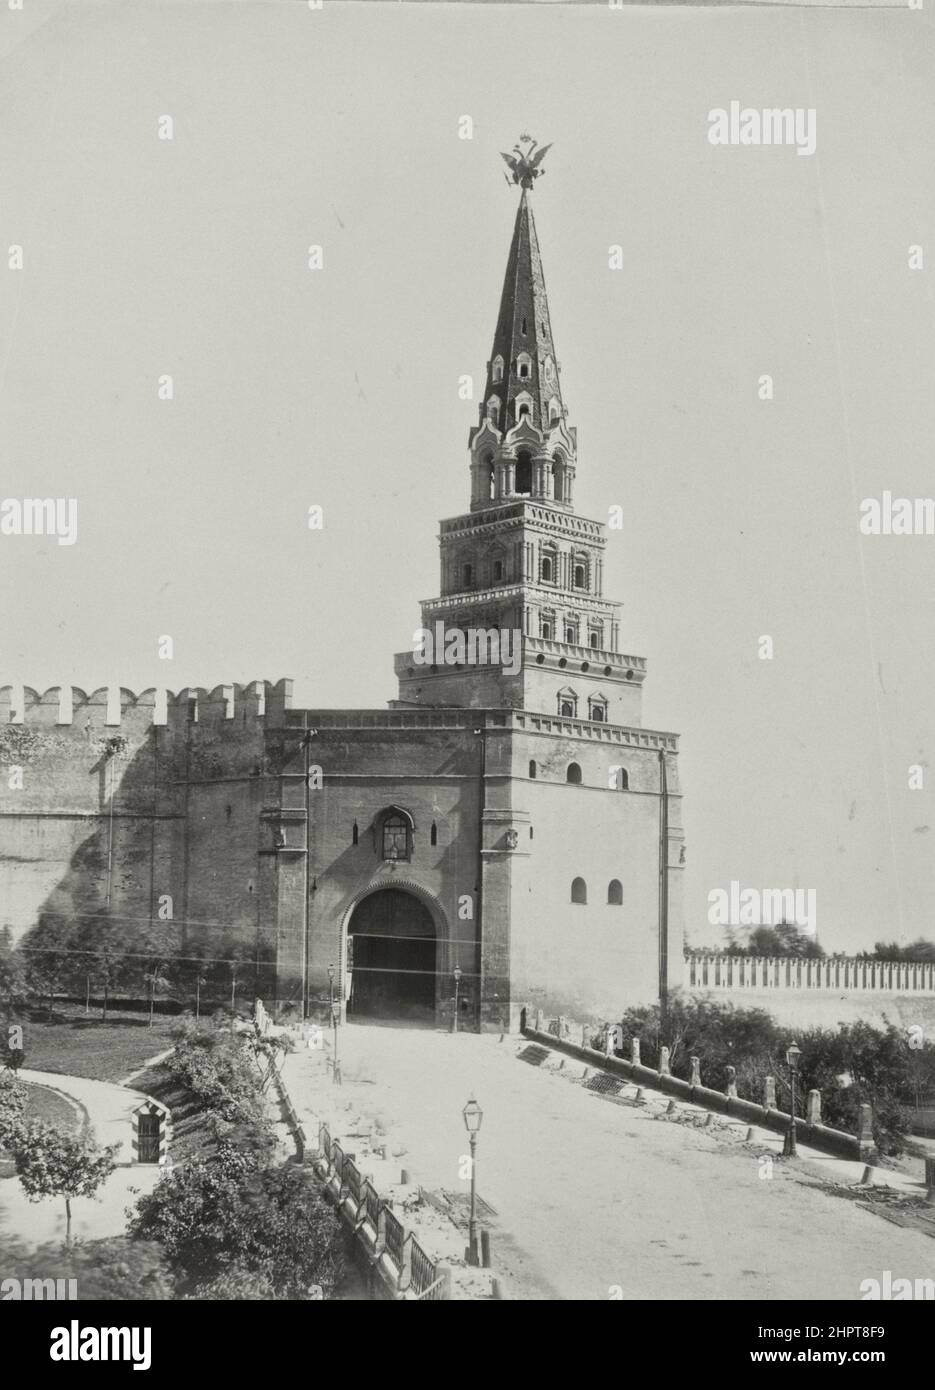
<point>817,993</point>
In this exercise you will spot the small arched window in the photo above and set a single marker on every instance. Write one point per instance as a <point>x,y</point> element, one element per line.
<point>493,411</point>
<point>532,767</point>
<point>354,834</point>
<point>573,774</point>
<point>621,779</point>
<point>615,893</point>
<point>497,571</point>
<point>467,575</point>
<point>546,629</point>
<point>594,640</point>
<point>579,577</point>
<point>567,711</point>
<point>571,635</point>
<point>524,472</point>
<point>524,365</point>
<point>547,569</point>
<point>598,711</point>
<point>497,373</point>
<point>579,890</point>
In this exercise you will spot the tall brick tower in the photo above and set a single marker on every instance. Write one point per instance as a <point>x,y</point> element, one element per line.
<point>521,561</point>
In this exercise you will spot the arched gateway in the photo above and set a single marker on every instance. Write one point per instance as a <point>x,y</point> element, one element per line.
<point>394,958</point>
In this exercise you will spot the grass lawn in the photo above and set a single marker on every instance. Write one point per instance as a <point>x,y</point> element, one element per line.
<point>79,1044</point>
<point>43,1104</point>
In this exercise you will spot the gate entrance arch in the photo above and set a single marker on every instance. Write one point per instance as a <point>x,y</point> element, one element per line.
<point>395,958</point>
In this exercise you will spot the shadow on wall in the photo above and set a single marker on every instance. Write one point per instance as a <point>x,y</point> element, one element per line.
<point>116,820</point>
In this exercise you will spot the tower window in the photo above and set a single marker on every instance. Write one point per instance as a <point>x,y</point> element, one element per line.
<point>571,635</point>
<point>546,629</point>
<point>579,577</point>
<point>524,366</point>
<point>467,575</point>
<point>547,569</point>
<point>615,893</point>
<point>354,834</point>
<point>397,837</point>
<point>558,477</point>
<point>567,711</point>
<point>598,713</point>
<point>497,373</point>
<point>621,779</point>
<point>594,640</point>
<point>532,767</point>
<point>573,774</point>
<point>493,411</point>
<point>579,890</point>
<point>524,468</point>
<point>523,329</point>
<point>433,834</point>
<point>497,570</point>
<point>524,369</point>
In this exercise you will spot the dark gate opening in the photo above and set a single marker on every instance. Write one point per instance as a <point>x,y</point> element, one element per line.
<point>149,1138</point>
<point>394,959</point>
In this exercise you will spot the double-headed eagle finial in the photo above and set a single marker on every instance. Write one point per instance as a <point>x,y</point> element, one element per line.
<point>524,164</point>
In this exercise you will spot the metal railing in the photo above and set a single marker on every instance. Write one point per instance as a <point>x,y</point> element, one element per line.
<point>423,1271</point>
<point>395,1238</point>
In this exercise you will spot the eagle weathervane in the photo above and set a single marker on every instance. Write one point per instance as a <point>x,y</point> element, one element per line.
<point>524,164</point>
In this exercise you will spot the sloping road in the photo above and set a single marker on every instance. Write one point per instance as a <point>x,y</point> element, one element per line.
<point>597,1200</point>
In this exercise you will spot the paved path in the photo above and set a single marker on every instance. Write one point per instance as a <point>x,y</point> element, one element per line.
<point>596,1200</point>
<point>109,1108</point>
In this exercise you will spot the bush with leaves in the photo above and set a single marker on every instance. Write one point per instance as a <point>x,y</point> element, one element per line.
<point>12,1106</point>
<point>853,1065</point>
<point>218,1068</point>
<point>271,1225</point>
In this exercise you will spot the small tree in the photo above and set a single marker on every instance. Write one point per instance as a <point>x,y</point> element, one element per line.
<point>51,1163</point>
<point>12,982</point>
<point>48,958</point>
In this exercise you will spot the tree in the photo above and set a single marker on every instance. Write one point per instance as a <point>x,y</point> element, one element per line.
<point>12,983</point>
<point>270,1229</point>
<point>51,1163</point>
<point>101,942</point>
<point>48,957</point>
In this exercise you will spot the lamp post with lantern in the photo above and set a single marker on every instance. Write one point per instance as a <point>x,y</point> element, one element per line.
<point>335,1016</point>
<point>793,1054</point>
<point>457,979</point>
<point>472,1121</point>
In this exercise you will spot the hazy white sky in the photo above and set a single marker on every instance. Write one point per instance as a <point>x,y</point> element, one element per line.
<point>339,387</point>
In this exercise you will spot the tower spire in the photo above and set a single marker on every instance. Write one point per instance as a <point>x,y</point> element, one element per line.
<point>521,431</point>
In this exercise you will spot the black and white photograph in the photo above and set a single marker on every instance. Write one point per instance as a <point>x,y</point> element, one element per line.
<point>467,742</point>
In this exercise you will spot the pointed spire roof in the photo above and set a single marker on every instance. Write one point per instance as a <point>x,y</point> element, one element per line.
<point>523,338</point>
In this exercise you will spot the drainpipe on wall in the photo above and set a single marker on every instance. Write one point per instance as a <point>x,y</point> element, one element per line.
<point>478,916</point>
<point>306,922</point>
<point>663,892</point>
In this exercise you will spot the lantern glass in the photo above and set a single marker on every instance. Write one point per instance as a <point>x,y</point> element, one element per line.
<point>472,1116</point>
<point>792,1057</point>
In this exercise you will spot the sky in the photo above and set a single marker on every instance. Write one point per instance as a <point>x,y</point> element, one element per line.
<point>338,387</point>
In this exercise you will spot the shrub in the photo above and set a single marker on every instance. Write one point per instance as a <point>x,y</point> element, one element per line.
<point>854,1065</point>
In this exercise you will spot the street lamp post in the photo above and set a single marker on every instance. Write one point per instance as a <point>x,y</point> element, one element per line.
<point>457,978</point>
<point>789,1149</point>
<point>472,1121</point>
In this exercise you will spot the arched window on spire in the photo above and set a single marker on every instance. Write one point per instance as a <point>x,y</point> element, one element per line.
<point>524,366</point>
<point>497,369</point>
<point>493,411</point>
<point>558,477</point>
<point>523,472</point>
<point>555,411</point>
<point>489,475</point>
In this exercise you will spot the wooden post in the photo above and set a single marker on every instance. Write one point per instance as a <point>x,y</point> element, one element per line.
<point>769,1092</point>
<point>695,1078</point>
<point>664,1061</point>
<point>635,1051</point>
<point>732,1082</point>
